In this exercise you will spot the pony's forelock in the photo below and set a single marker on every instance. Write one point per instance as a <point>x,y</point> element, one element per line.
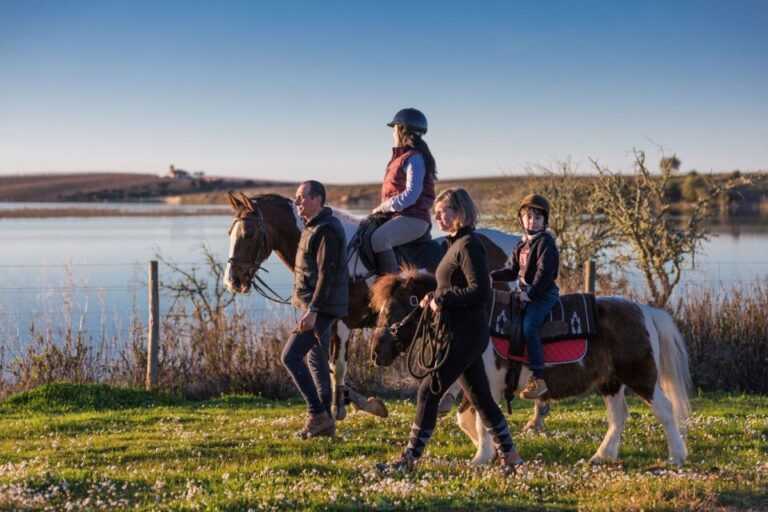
<point>382,291</point>
<point>384,288</point>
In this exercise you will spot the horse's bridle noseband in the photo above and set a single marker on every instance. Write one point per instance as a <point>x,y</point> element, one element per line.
<point>252,268</point>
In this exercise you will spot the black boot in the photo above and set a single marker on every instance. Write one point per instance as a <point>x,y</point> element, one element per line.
<point>386,262</point>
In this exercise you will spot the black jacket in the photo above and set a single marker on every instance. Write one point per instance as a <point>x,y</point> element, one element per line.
<point>320,276</point>
<point>463,288</point>
<point>540,270</point>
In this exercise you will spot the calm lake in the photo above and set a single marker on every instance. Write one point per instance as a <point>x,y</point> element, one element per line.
<point>98,266</point>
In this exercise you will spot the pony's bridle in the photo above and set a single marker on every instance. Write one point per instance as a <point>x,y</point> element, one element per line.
<point>395,327</point>
<point>251,268</point>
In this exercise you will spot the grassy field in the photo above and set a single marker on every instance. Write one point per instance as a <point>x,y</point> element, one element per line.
<point>65,447</point>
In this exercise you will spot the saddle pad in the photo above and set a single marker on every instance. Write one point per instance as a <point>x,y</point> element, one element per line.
<point>572,317</point>
<point>557,352</point>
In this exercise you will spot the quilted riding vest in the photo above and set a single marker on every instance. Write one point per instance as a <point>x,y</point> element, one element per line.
<point>395,181</point>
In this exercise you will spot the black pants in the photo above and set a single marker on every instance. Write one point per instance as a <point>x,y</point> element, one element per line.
<point>464,363</point>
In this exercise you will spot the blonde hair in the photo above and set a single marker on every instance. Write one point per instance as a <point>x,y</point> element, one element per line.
<point>459,200</point>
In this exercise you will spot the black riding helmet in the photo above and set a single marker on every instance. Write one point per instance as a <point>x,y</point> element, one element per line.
<point>412,118</point>
<point>534,201</point>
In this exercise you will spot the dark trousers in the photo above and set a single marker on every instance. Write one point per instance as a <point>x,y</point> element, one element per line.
<point>536,312</point>
<point>313,381</point>
<point>466,365</point>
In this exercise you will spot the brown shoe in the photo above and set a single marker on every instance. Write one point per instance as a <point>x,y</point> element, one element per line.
<point>536,388</point>
<point>320,424</point>
<point>510,461</point>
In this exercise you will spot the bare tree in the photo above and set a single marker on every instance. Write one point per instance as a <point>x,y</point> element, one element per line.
<point>209,302</point>
<point>638,210</point>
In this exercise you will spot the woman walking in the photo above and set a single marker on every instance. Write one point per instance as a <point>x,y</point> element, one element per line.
<point>463,290</point>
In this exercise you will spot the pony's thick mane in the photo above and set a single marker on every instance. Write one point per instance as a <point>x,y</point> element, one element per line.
<point>384,288</point>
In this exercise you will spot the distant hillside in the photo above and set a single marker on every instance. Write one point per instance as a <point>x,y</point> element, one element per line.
<point>99,187</point>
<point>497,194</point>
<point>487,192</point>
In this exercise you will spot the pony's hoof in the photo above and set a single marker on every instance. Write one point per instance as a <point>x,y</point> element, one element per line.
<point>601,459</point>
<point>446,403</point>
<point>339,411</point>
<point>534,426</point>
<point>376,407</point>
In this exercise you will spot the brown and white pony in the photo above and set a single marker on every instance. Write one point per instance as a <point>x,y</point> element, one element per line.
<point>269,223</point>
<point>638,347</point>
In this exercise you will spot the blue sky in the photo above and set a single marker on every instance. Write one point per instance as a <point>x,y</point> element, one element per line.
<point>298,90</point>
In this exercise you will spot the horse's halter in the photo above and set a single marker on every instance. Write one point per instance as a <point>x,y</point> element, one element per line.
<point>394,329</point>
<point>249,267</point>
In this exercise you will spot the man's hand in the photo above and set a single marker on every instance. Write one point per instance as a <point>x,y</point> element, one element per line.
<point>524,297</point>
<point>307,322</point>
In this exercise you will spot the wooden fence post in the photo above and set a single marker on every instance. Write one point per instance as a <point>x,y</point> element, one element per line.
<point>589,277</point>
<point>153,327</point>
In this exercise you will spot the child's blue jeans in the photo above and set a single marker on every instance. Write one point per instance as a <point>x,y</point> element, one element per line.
<point>536,312</point>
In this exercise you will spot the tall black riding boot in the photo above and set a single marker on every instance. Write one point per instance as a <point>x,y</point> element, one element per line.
<point>386,262</point>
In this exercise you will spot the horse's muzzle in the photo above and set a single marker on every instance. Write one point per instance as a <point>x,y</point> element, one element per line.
<point>381,351</point>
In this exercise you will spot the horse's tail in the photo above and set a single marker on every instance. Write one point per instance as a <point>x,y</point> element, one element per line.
<point>674,374</point>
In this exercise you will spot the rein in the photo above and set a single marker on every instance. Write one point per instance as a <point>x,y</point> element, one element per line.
<point>430,347</point>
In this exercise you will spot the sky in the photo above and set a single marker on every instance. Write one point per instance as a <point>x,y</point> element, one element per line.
<point>294,90</point>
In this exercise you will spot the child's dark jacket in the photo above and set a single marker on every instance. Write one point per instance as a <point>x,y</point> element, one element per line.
<point>539,270</point>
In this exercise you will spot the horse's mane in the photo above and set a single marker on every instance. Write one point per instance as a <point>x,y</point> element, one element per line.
<point>269,197</point>
<point>384,288</point>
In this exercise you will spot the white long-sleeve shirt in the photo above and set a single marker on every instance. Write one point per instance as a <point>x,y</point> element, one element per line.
<point>415,169</point>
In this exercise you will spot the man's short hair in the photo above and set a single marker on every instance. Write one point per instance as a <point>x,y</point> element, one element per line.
<point>314,189</point>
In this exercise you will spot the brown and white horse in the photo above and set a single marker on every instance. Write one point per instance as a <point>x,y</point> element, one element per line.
<point>638,347</point>
<point>270,223</point>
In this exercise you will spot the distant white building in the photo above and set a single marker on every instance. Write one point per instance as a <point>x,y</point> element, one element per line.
<point>177,174</point>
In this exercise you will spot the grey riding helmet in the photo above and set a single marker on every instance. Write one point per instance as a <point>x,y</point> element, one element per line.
<point>412,118</point>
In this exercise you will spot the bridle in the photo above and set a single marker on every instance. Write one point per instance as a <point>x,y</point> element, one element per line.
<point>251,268</point>
<point>395,327</point>
<point>432,341</point>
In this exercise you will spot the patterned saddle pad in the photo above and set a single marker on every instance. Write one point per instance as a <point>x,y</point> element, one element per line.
<point>572,321</point>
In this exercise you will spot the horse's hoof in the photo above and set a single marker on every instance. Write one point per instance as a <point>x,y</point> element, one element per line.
<point>600,459</point>
<point>339,412</point>
<point>445,405</point>
<point>376,407</point>
<point>533,426</point>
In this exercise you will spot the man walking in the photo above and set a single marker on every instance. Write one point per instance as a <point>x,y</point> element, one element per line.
<point>320,289</point>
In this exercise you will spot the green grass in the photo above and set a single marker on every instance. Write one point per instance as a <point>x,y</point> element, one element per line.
<point>61,447</point>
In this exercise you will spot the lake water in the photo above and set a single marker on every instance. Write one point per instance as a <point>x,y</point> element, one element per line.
<point>99,266</point>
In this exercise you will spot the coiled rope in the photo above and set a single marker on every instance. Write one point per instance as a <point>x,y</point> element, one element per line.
<point>430,347</point>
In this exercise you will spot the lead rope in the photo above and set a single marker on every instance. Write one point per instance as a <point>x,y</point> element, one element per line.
<point>430,348</point>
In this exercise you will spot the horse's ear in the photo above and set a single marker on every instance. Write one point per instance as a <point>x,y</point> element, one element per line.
<point>246,202</point>
<point>233,201</point>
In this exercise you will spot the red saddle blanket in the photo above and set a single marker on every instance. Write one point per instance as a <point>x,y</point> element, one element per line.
<point>556,352</point>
